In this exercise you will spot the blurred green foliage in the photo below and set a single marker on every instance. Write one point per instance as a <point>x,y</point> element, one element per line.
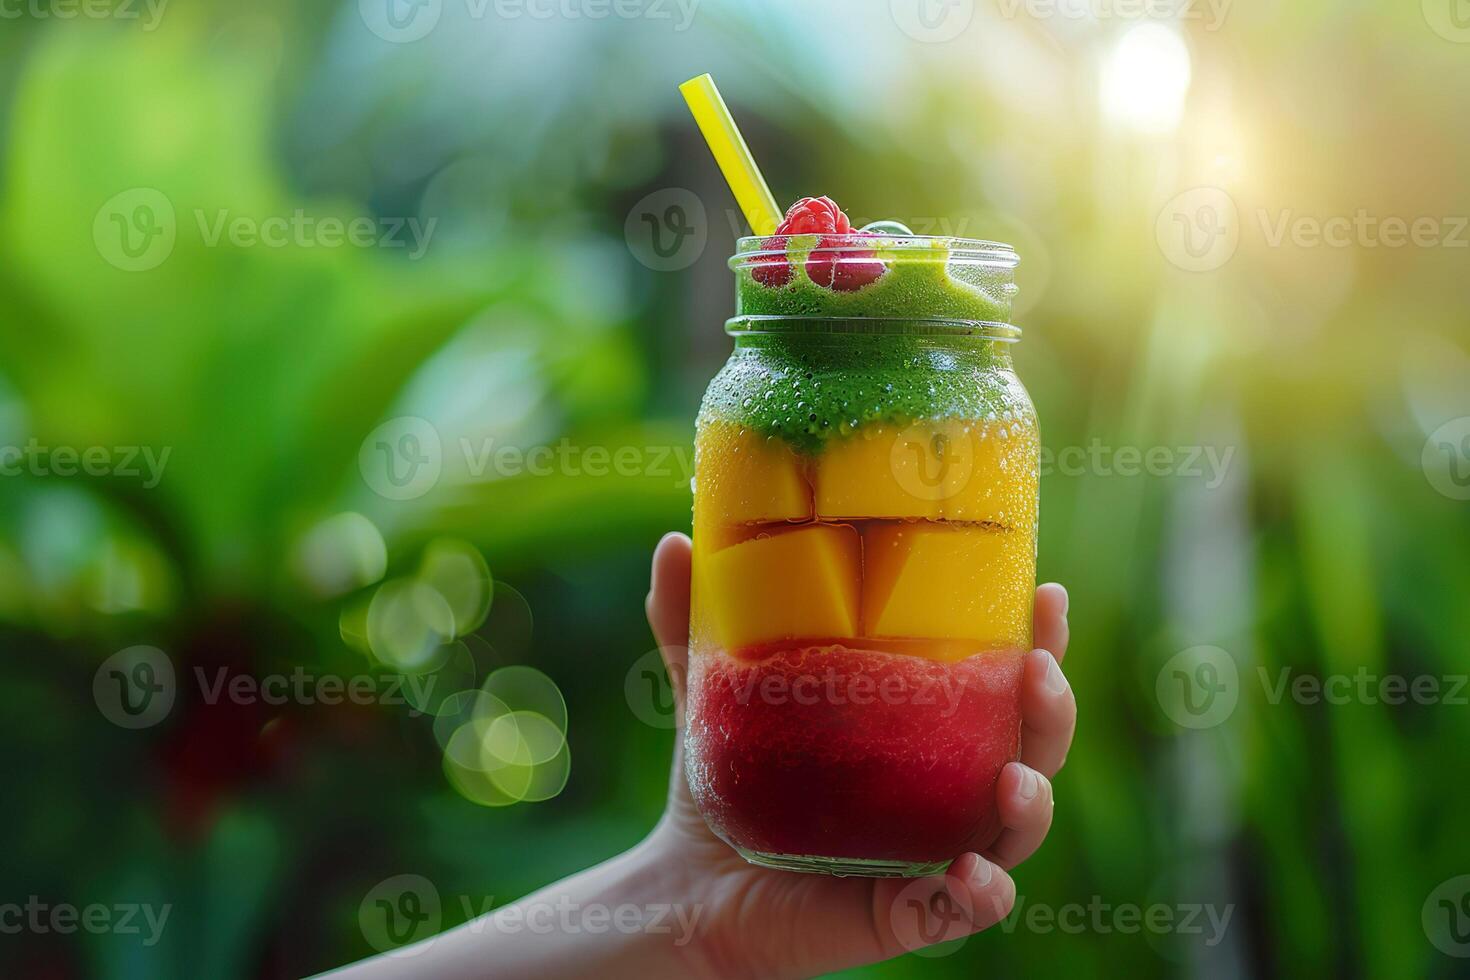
<point>528,320</point>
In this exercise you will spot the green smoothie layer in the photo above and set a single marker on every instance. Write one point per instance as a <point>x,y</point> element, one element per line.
<point>918,284</point>
<point>809,387</point>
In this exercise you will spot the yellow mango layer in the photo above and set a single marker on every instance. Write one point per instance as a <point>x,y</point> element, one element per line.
<point>940,581</point>
<point>950,470</point>
<point>743,477</point>
<point>793,583</point>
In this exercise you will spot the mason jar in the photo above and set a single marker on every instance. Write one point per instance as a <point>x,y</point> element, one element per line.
<point>865,515</point>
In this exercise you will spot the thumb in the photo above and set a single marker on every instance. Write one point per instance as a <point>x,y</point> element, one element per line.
<point>668,615</point>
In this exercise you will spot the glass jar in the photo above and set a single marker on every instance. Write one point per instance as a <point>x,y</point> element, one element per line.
<point>866,469</point>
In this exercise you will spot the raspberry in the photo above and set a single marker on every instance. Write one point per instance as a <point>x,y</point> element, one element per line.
<point>847,270</point>
<point>772,272</point>
<point>814,216</point>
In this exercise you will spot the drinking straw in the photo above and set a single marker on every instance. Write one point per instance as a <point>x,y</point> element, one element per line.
<point>731,153</point>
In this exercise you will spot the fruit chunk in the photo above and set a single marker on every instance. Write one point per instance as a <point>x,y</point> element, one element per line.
<point>771,271</point>
<point>742,476</point>
<point>951,470</point>
<point>848,269</point>
<point>801,582</point>
<point>814,216</point>
<point>942,581</point>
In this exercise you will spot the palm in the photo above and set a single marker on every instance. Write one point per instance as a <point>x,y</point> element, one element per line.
<point>777,923</point>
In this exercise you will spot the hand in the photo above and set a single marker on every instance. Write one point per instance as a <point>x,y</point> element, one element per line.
<point>764,923</point>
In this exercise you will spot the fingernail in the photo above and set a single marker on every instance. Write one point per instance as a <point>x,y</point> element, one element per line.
<point>1066,601</point>
<point>983,872</point>
<point>1029,783</point>
<point>1056,681</point>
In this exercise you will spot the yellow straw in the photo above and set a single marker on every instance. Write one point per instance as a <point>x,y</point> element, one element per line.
<point>731,153</point>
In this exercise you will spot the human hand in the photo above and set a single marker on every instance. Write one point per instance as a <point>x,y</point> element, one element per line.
<point>766,923</point>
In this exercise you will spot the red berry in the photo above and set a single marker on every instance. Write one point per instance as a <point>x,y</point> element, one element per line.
<point>770,271</point>
<point>814,216</point>
<point>847,270</point>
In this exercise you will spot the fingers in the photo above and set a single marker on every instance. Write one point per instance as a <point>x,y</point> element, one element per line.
<point>1049,619</point>
<point>1023,797</point>
<point>1048,713</point>
<point>974,894</point>
<point>668,592</point>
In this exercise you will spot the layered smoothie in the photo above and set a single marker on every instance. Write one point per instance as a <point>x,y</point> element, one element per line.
<point>864,563</point>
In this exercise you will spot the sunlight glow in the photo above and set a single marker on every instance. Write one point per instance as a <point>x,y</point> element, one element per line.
<point>1145,78</point>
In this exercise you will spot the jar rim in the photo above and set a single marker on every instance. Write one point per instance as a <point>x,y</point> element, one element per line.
<point>902,248</point>
<point>756,324</point>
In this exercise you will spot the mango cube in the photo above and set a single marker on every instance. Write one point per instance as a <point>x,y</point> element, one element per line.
<point>940,581</point>
<point>742,476</point>
<point>998,484</point>
<point>949,470</point>
<point>880,471</point>
<point>801,582</point>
